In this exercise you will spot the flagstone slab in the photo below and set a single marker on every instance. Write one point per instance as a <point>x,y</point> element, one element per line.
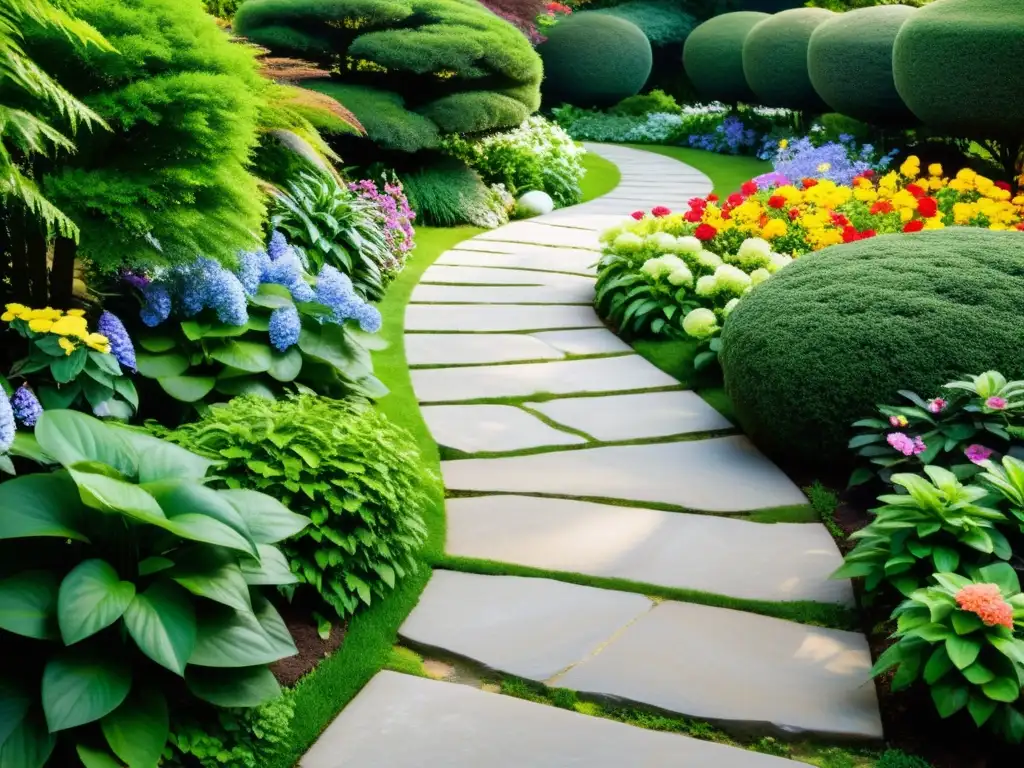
<point>505,294</point>
<point>533,628</point>
<point>498,317</point>
<point>722,474</point>
<point>570,261</point>
<point>780,562</point>
<point>610,374</point>
<point>739,669</point>
<point>543,234</point>
<point>592,222</point>
<point>475,348</point>
<point>629,417</point>
<point>401,721</point>
<point>480,428</point>
<point>456,275</point>
<point>586,341</point>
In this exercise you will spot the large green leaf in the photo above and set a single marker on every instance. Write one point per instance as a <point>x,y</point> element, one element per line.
<point>230,638</point>
<point>239,687</point>
<point>137,730</point>
<point>215,576</point>
<point>329,344</point>
<point>1002,689</point>
<point>91,598</point>
<point>249,356</point>
<point>286,365</point>
<point>963,650</point>
<point>28,744</point>
<point>183,499</point>
<point>28,604</point>
<point>272,568</point>
<point>80,687</point>
<point>161,366</point>
<point>109,495</point>
<point>268,520</point>
<point>15,702</point>
<point>163,460</point>
<point>187,389</point>
<point>71,437</point>
<point>66,368</point>
<point>245,385</point>
<point>203,528</point>
<point>949,699</point>
<point>96,758</point>
<point>42,505</point>
<point>162,622</point>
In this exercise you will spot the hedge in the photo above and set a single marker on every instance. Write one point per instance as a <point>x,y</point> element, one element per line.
<point>713,56</point>
<point>826,339</point>
<point>664,22</point>
<point>775,59</point>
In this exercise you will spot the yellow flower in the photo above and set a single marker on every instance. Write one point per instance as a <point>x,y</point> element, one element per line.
<point>935,169</point>
<point>14,311</point>
<point>774,228</point>
<point>70,326</point>
<point>76,313</point>
<point>911,167</point>
<point>889,181</point>
<point>98,341</point>
<point>40,324</point>
<point>906,214</point>
<point>865,194</point>
<point>935,222</point>
<point>67,345</point>
<point>784,143</point>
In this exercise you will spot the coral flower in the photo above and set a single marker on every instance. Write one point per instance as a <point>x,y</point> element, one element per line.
<point>808,183</point>
<point>660,211</point>
<point>987,603</point>
<point>913,226</point>
<point>637,215</point>
<point>794,213</point>
<point>882,206</point>
<point>705,232</point>
<point>927,206</point>
<point>734,199</point>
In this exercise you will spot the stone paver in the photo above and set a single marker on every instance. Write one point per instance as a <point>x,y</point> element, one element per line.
<point>400,721</point>
<point>481,428</point>
<point>559,377</point>
<point>541,234</point>
<point>475,348</point>
<point>629,417</point>
<point>456,275</point>
<point>498,317</point>
<point>533,628</point>
<point>505,294</point>
<point>722,474</point>
<point>588,341</point>
<point>523,257</point>
<point>672,549</point>
<point>740,669</point>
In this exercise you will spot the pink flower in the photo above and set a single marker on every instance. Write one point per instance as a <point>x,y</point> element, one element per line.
<point>978,453</point>
<point>996,403</point>
<point>898,421</point>
<point>938,405</point>
<point>901,443</point>
<point>919,446</point>
<point>987,603</point>
<point>637,215</point>
<point>659,211</point>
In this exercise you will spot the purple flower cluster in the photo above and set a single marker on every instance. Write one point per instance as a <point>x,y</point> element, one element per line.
<point>287,270</point>
<point>396,213</point>
<point>202,284</point>
<point>157,304</point>
<point>7,427</point>
<point>26,407</point>
<point>839,161</point>
<point>121,346</point>
<point>732,136</point>
<point>334,290</point>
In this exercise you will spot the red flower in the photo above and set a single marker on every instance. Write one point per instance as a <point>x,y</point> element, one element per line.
<point>927,206</point>
<point>1021,226</point>
<point>808,183</point>
<point>916,225</point>
<point>762,221</point>
<point>694,215</point>
<point>882,206</point>
<point>705,232</point>
<point>868,233</point>
<point>1004,185</point>
<point>776,201</point>
<point>726,214</point>
<point>734,199</point>
<point>660,211</point>
<point>915,190</point>
<point>712,198</point>
<point>868,174</point>
<point>637,215</point>
<point>749,188</point>
<point>697,202</point>
<point>793,213</point>
<point>839,220</point>
<point>850,234</point>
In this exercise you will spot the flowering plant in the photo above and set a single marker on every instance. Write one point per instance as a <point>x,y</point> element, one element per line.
<point>71,366</point>
<point>958,636</point>
<point>553,13</point>
<point>258,330</point>
<point>397,217</point>
<point>839,161</point>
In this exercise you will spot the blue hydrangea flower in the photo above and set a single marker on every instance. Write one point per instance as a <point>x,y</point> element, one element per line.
<point>25,407</point>
<point>158,304</point>
<point>278,246</point>
<point>334,290</point>
<point>7,427</point>
<point>251,267</point>
<point>285,327</point>
<point>227,297</point>
<point>369,318</point>
<point>287,271</point>
<point>121,346</point>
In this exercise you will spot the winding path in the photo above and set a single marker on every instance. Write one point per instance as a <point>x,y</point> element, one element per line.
<point>569,454</point>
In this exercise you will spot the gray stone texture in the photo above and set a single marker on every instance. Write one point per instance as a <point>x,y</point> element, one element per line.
<point>499,317</point>
<point>540,234</point>
<point>516,256</point>
<point>587,341</point>
<point>725,556</point>
<point>475,348</point>
<point>482,428</point>
<point>456,275</point>
<point>505,294</point>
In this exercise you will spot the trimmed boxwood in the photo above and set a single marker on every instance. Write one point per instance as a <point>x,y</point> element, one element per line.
<point>713,56</point>
<point>594,60</point>
<point>957,66</point>
<point>849,60</point>
<point>835,333</point>
<point>775,59</point>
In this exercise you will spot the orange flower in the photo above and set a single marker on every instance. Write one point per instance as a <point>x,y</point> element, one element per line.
<point>987,603</point>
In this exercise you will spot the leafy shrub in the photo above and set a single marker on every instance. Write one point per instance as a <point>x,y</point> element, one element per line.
<point>594,60</point>
<point>849,61</point>
<point>522,14</point>
<point>895,758</point>
<point>449,194</point>
<point>642,105</point>
<point>713,57</point>
<point>223,9</point>
<point>775,59</point>
<point>815,348</point>
<point>536,155</point>
<point>663,22</point>
<point>137,569</point>
<point>358,477</point>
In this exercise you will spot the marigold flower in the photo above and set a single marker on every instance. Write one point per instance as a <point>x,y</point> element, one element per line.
<point>935,169</point>
<point>774,228</point>
<point>915,190</point>
<point>882,206</point>
<point>913,226</point>
<point>808,183</point>
<point>987,603</point>
<point>927,206</point>
<point>705,232</point>
<point>749,187</point>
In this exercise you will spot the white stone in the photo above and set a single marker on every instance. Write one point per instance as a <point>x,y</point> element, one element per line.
<point>481,428</point>
<point>536,203</point>
<point>524,257</point>
<point>537,232</point>
<point>505,294</point>
<point>586,341</point>
<point>498,317</point>
<point>475,348</point>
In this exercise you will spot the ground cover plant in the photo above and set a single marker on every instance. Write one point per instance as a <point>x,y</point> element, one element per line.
<point>451,193</point>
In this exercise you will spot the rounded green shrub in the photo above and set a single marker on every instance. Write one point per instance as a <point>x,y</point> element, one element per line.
<point>829,337</point>
<point>663,22</point>
<point>412,68</point>
<point>713,56</point>
<point>849,60</point>
<point>593,60</point>
<point>775,59</point>
<point>766,6</point>
<point>957,66</point>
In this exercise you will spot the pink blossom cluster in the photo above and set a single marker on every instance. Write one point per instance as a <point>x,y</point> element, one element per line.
<point>398,216</point>
<point>905,444</point>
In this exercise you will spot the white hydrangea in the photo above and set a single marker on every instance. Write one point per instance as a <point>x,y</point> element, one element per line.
<point>729,307</point>
<point>709,260</point>
<point>706,285</point>
<point>700,323</point>
<point>662,241</point>
<point>628,242</point>
<point>777,261</point>
<point>681,276</point>
<point>732,279</point>
<point>672,261</point>
<point>655,268</point>
<point>759,275</point>
<point>611,233</point>
<point>688,244</point>
<point>754,252</point>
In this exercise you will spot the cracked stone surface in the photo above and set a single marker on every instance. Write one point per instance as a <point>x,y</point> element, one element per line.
<point>722,474</point>
<point>559,377</point>
<point>629,417</point>
<point>482,428</point>
<point>505,294</point>
<point>498,317</point>
<point>671,549</point>
<point>400,721</point>
<point>475,348</point>
<point>587,341</point>
<point>515,256</point>
<point>533,628</point>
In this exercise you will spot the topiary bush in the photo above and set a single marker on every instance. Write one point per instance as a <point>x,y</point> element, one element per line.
<point>592,60</point>
<point>775,59</point>
<point>663,22</point>
<point>849,60</point>
<point>411,68</point>
<point>713,57</point>
<point>819,345</point>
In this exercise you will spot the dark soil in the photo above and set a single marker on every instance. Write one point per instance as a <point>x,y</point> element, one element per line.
<point>312,649</point>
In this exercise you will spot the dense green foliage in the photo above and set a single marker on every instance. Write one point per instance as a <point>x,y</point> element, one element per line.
<point>449,194</point>
<point>170,179</point>
<point>713,57</point>
<point>592,60</point>
<point>358,477</point>
<point>663,22</point>
<point>133,585</point>
<point>849,60</point>
<point>647,103</point>
<point>839,331</point>
<point>421,66</point>
<point>895,758</point>
<point>775,59</point>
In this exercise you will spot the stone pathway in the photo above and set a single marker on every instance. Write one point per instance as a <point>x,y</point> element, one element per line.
<point>569,454</point>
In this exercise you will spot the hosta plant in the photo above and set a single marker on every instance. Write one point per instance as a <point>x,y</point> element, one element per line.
<point>131,583</point>
<point>937,524</point>
<point>1007,480</point>
<point>958,637</point>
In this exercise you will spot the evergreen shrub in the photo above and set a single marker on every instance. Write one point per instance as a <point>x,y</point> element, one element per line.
<point>713,57</point>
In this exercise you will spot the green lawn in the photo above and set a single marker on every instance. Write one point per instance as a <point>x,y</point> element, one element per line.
<point>602,176</point>
<point>727,172</point>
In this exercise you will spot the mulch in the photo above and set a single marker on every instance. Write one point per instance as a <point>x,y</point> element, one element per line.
<point>312,649</point>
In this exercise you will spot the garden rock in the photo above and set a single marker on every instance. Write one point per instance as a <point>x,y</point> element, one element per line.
<point>535,203</point>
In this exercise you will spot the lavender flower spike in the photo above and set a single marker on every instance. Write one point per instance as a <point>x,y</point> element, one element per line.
<point>7,427</point>
<point>121,346</point>
<point>26,407</point>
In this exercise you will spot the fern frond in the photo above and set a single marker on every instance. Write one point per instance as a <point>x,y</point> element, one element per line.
<point>15,184</point>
